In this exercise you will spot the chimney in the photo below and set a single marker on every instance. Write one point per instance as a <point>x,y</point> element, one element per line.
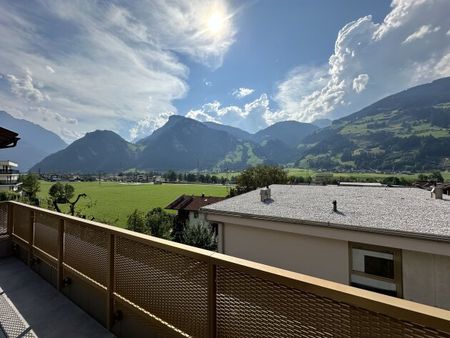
<point>265,194</point>
<point>437,192</point>
<point>334,206</point>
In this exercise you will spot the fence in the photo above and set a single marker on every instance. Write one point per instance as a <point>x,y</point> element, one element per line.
<point>137,285</point>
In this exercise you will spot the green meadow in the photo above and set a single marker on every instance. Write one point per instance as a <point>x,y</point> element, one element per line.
<point>111,203</point>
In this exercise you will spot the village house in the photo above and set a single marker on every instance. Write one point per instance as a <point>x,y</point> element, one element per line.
<point>394,241</point>
<point>188,206</point>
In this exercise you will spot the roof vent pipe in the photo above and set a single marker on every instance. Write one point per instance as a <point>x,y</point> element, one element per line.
<point>265,194</point>
<point>334,206</point>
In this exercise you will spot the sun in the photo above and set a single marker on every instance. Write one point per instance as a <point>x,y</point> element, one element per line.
<point>216,22</point>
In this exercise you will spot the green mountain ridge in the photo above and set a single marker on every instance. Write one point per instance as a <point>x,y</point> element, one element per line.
<point>181,144</point>
<point>407,131</point>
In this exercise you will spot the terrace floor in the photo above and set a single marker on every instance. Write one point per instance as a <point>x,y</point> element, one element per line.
<point>30,307</point>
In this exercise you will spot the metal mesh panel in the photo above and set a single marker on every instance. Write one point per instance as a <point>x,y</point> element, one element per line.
<point>170,286</point>
<point>22,222</point>
<point>3,219</point>
<point>46,233</point>
<point>248,306</point>
<point>86,250</point>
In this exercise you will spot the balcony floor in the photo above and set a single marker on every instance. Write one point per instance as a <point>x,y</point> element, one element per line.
<point>43,309</point>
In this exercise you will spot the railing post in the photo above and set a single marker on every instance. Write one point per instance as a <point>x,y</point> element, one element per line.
<point>110,283</point>
<point>31,239</point>
<point>212,293</point>
<point>10,222</point>
<point>60,253</point>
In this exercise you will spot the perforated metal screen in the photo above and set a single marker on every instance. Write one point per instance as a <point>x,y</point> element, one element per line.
<point>248,306</point>
<point>3,219</point>
<point>162,290</point>
<point>170,286</point>
<point>86,250</point>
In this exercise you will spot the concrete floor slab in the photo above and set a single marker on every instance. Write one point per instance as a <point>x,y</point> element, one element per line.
<point>47,312</point>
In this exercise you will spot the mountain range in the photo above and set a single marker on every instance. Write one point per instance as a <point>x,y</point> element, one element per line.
<point>35,142</point>
<point>409,130</point>
<point>181,144</point>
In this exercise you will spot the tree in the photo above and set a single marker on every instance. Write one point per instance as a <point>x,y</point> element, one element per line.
<point>61,194</point>
<point>259,176</point>
<point>159,223</point>
<point>198,233</point>
<point>436,176</point>
<point>31,186</point>
<point>136,221</point>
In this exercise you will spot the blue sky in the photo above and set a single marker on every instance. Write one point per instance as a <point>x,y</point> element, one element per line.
<point>77,66</point>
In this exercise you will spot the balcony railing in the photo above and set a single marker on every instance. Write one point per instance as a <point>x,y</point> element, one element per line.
<point>9,171</point>
<point>138,285</point>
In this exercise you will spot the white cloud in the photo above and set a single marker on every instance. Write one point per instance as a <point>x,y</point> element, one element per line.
<point>242,92</point>
<point>421,33</point>
<point>360,82</point>
<point>148,124</point>
<point>367,50</point>
<point>116,65</point>
<point>252,117</point>
<point>23,87</point>
<point>50,69</point>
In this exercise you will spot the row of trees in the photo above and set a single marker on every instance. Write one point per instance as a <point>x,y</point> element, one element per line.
<point>172,176</point>
<point>159,223</point>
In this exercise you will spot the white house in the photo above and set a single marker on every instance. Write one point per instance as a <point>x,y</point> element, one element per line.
<point>9,176</point>
<point>390,240</point>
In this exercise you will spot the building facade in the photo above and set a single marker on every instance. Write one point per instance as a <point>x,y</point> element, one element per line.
<point>9,176</point>
<point>390,240</point>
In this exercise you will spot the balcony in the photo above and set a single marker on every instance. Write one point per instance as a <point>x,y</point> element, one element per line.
<point>9,171</point>
<point>140,286</point>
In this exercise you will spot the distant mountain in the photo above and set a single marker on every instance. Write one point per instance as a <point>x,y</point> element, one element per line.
<point>35,142</point>
<point>236,132</point>
<point>181,144</point>
<point>322,123</point>
<point>101,150</point>
<point>407,131</point>
<point>185,144</point>
<point>289,132</point>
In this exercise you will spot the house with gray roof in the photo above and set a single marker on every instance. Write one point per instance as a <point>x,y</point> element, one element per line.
<point>394,241</point>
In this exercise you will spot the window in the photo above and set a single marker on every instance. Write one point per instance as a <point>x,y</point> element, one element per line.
<point>376,268</point>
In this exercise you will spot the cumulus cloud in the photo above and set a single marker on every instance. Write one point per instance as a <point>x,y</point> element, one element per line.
<point>360,82</point>
<point>242,92</point>
<point>23,87</point>
<point>148,124</point>
<point>252,116</point>
<point>421,33</point>
<point>107,65</point>
<point>366,51</point>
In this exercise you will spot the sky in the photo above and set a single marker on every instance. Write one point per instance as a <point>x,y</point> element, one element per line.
<point>77,66</point>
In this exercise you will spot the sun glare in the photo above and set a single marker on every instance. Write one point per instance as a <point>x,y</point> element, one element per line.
<point>216,22</point>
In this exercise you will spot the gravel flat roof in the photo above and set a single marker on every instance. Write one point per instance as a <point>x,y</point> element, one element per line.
<point>379,209</point>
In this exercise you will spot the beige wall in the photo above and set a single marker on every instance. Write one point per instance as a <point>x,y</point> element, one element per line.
<point>426,278</point>
<point>319,257</point>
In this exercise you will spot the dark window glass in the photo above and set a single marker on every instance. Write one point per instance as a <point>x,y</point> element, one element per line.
<point>370,288</point>
<point>379,266</point>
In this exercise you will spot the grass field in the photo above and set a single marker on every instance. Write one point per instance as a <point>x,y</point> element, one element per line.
<point>113,202</point>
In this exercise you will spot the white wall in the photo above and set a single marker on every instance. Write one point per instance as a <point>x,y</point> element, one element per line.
<point>319,257</point>
<point>426,278</point>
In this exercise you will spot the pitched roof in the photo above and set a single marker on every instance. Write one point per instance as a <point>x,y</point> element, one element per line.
<point>409,211</point>
<point>8,138</point>
<point>193,203</point>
